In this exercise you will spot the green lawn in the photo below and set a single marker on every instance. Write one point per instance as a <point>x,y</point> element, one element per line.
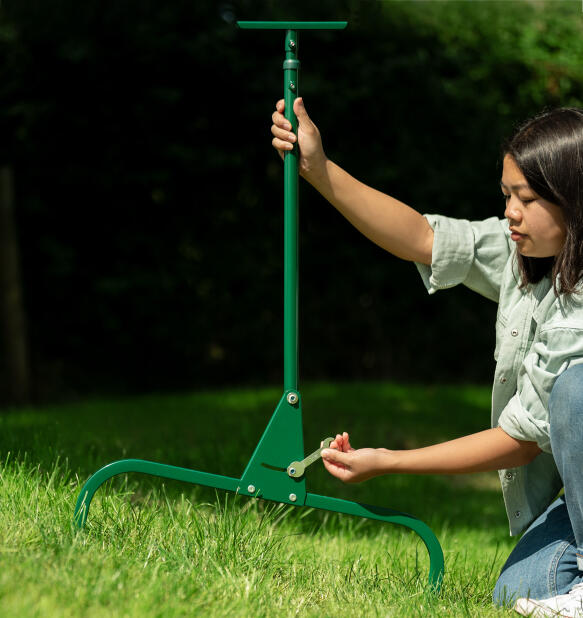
<point>163,548</point>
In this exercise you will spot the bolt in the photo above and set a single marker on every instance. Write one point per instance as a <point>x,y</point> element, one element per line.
<point>292,45</point>
<point>292,398</point>
<point>292,86</point>
<point>251,489</point>
<point>293,497</point>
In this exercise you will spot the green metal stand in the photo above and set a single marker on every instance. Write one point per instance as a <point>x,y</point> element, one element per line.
<point>266,475</point>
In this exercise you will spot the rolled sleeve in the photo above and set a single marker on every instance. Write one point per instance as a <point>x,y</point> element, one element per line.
<point>470,252</point>
<point>520,423</point>
<point>452,255</point>
<point>526,416</point>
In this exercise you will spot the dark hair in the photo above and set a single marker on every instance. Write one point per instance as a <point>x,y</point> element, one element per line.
<point>548,150</point>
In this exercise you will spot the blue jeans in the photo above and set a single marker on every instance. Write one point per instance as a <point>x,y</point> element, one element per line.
<point>548,561</point>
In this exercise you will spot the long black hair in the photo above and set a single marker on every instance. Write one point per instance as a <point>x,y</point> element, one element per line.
<point>548,150</point>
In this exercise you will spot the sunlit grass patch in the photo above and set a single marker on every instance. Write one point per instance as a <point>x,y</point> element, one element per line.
<point>158,548</point>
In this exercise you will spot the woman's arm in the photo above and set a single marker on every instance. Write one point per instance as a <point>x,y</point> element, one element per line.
<point>386,221</point>
<point>492,449</point>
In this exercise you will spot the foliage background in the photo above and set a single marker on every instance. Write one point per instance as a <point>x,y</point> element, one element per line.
<point>149,200</point>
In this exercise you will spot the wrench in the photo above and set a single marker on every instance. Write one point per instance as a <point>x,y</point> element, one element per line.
<point>297,468</point>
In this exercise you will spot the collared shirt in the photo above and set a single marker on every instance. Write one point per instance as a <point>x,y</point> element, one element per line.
<point>538,336</point>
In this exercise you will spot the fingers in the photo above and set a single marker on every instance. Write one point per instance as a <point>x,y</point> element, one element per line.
<point>337,470</point>
<point>283,138</point>
<point>332,460</point>
<point>342,442</point>
<point>347,445</point>
<point>337,442</point>
<point>300,111</point>
<point>332,455</point>
<point>281,122</point>
<point>278,118</point>
<point>338,464</point>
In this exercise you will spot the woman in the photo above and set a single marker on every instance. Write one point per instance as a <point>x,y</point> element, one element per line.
<point>531,264</point>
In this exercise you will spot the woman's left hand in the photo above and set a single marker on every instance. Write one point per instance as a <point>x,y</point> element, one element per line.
<point>353,465</point>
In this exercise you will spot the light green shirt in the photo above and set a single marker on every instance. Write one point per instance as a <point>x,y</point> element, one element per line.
<point>538,336</point>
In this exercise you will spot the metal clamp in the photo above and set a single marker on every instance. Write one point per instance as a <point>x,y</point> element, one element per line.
<point>297,468</point>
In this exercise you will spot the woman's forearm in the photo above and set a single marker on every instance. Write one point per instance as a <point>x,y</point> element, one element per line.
<point>492,449</point>
<point>386,221</point>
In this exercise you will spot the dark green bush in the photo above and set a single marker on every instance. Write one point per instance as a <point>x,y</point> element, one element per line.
<point>149,199</point>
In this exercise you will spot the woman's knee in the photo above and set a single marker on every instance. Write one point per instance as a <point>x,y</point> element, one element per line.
<point>525,573</point>
<point>505,592</point>
<point>544,561</point>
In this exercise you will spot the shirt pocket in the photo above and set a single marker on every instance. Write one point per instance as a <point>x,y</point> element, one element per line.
<point>501,324</point>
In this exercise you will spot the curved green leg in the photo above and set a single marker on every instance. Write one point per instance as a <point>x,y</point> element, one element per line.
<point>436,562</point>
<point>146,467</point>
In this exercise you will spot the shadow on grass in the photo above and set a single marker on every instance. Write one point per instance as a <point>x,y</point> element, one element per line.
<point>217,432</point>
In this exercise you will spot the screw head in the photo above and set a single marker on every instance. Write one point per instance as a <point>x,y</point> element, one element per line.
<point>292,471</point>
<point>292,86</point>
<point>292,398</point>
<point>292,44</point>
<point>251,489</point>
<point>293,497</point>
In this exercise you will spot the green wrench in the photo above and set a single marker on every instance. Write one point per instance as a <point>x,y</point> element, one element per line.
<point>297,468</point>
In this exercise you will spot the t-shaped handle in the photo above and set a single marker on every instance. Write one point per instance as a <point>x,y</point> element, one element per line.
<point>292,25</point>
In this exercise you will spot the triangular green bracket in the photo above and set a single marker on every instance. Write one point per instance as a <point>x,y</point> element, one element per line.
<point>282,442</point>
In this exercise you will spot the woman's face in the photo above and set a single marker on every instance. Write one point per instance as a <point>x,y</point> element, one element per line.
<point>536,225</point>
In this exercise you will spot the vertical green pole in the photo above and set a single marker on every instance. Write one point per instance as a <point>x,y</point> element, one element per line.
<point>291,67</point>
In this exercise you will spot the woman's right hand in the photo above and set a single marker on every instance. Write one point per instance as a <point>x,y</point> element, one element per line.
<point>309,141</point>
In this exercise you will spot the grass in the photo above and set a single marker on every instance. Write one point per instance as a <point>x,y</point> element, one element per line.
<point>162,548</point>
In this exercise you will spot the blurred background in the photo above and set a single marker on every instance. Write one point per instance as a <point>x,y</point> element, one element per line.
<point>141,201</point>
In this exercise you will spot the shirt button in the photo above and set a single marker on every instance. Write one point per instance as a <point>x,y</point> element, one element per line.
<point>502,380</point>
<point>514,332</point>
<point>517,514</point>
<point>509,476</point>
